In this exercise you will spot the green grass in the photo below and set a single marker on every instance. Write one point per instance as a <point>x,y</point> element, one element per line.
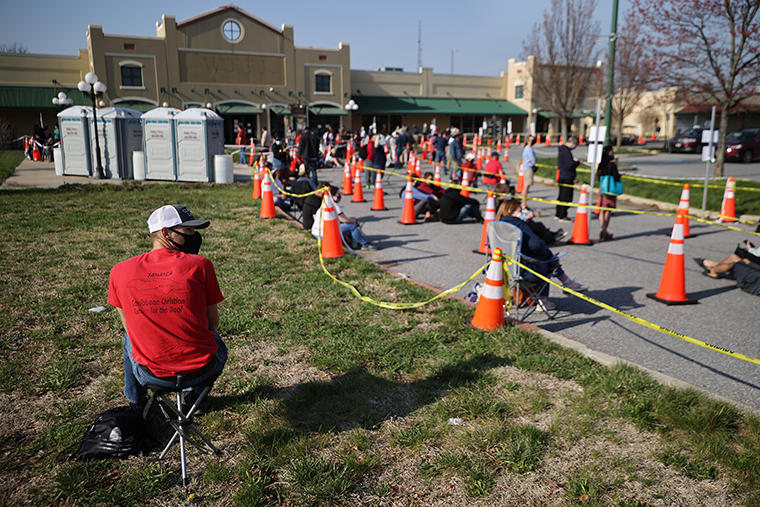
<point>9,160</point>
<point>325,399</point>
<point>747,202</point>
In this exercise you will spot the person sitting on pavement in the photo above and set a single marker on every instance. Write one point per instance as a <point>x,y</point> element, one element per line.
<point>744,264</point>
<point>533,246</point>
<point>350,228</point>
<point>493,170</point>
<point>282,183</point>
<point>167,300</point>
<point>538,228</point>
<point>426,198</point>
<point>468,165</point>
<point>455,207</point>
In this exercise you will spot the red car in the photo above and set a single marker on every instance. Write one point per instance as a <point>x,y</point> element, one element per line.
<point>743,145</point>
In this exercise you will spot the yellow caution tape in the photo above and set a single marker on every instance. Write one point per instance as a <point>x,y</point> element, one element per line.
<point>639,320</point>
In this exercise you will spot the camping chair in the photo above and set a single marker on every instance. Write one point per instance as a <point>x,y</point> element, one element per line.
<point>179,417</point>
<point>300,188</point>
<point>525,293</point>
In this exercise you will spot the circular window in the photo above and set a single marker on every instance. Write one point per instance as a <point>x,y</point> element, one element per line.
<point>232,31</point>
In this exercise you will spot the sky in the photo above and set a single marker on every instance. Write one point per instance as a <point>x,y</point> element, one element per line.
<point>381,34</point>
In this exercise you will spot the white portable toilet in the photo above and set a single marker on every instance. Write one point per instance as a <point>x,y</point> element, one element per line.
<point>75,141</point>
<point>119,134</point>
<point>159,144</point>
<point>200,136</point>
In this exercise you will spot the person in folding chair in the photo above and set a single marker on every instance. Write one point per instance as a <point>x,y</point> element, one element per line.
<point>533,246</point>
<point>167,299</point>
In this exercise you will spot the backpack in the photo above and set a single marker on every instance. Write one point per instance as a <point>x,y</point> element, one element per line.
<point>115,433</point>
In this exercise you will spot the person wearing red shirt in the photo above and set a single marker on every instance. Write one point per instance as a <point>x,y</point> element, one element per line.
<point>493,170</point>
<point>167,299</point>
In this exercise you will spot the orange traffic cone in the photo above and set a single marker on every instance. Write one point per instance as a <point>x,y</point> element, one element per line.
<point>728,207</point>
<point>641,140</point>
<point>561,140</point>
<point>520,180</point>
<point>347,183</point>
<point>518,139</point>
<point>332,245</point>
<point>538,138</point>
<point>408,216</point>
<point>489,314</point>
<point>378,203</point>
<point>506,155</point>
<point>253,154</point>
<point>466,184</point>
<point>654,136</point>
<point>547,142</point>
<point>672,289</point>
<point>256,183</point>
<point>26,143</point>
<point>498,145</point>
<point>437,175</point>
<point>490,216</point>
<point>503,179</point>
<point>683,211</point>
<point>36,155</point>
<point>358,191</point>
<point>417,169</point>
<point>267,197</point>
<point>580,225</point>
<point>508,141</point>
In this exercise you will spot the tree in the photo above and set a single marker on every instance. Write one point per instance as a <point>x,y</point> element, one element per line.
<point>13,47</point>
<point>564,47</point>
<point>707,47</point>
<point>631,78</point>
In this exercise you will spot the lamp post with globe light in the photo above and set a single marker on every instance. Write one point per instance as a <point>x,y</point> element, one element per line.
<point>94,89</point>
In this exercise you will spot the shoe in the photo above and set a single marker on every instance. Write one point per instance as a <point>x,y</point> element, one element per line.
<point>604,236</point>
<point>369,247</point>
<point>138,407</point>
<point>573,285</point>
<point>546,305</point>
<point>562,219</point>
<point>560,235</point>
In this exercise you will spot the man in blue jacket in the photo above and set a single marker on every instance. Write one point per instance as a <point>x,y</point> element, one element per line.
<point>567,164</point>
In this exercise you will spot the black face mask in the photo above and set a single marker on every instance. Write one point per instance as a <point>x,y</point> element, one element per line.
<point>192,243</point>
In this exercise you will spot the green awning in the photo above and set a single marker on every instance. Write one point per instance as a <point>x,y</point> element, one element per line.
<point>237,109</point>
<point>279,110</point>
<point>321,110</point>
<point>575,114</point>
<point>413,105</point>
<point>143,107</point>
<point>34,97</point>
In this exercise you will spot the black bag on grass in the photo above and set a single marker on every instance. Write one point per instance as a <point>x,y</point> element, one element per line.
<point>115,433</point>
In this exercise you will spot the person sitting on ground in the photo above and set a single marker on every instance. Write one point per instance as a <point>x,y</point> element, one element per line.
<point>455,207</point>
<point>538,228</point>
<point>167,299</point>
<point>426,198</point>
<point>457,174</point>
<point>350,228</point>
<point>533,246</point>
<point>282,183</point>
<point>744,263</point>
<point>493,170</point>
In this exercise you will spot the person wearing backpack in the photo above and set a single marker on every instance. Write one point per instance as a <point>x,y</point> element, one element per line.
<point>167,299</point>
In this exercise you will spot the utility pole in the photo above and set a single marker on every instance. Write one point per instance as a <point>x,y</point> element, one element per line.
<point>611,74</point>
<point>419,45</point>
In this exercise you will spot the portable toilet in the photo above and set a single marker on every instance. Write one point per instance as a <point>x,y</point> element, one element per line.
<point>75,141</point>
<point>200,136</point>
<point>159,145</point>
<point>119,134</point>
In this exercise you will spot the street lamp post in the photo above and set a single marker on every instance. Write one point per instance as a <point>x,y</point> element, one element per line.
<point>452,60</point>
<point>93,88</point>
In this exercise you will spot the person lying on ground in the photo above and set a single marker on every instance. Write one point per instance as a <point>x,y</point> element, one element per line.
<point>744,264</point>
<point>533,246</point>
<point>350,228</point>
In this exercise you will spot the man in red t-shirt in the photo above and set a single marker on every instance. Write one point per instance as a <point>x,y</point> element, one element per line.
<point>167,300</point>
<point>492,171</point>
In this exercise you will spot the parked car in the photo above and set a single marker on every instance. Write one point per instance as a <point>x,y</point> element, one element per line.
<point>743,145</point>
<point>689,141</point>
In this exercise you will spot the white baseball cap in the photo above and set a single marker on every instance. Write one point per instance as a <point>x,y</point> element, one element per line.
<point>172,216</point>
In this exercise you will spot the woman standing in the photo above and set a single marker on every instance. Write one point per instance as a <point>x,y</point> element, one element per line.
<point>607,168</point>
<point>529,167</point>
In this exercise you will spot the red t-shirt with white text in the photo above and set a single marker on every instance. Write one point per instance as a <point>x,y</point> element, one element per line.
<point>164,294</point>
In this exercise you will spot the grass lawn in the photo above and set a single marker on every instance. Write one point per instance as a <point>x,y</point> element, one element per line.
<point>327,400</point>
<point>747,202</point>
<point>9,160</point>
